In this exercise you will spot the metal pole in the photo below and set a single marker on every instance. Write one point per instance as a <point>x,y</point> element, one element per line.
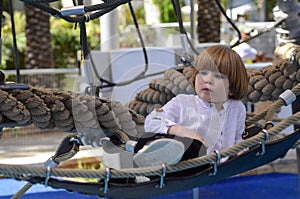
<point>192,16</point>
<point>109,31</point>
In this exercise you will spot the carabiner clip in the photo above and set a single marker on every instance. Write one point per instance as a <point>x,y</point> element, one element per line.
<point>47,176</point>
<point>162,177</point>
<point>263,146</point>
<point>215,171</point>
<point>106,180</point>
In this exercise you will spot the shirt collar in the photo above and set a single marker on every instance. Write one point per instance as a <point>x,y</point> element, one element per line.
<point>209,105</point>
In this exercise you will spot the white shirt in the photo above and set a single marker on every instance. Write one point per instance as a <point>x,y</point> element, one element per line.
<point>223,128</point>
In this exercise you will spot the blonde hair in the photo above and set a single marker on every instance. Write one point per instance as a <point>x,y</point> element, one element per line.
<point>226,61</point>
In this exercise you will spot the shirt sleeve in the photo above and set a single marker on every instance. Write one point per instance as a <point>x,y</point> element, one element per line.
<point>160,120</point>
<point>241,118</point>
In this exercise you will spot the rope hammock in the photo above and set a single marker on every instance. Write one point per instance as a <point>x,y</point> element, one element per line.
<point>93,119</point>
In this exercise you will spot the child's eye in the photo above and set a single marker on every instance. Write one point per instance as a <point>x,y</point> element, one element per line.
<point>220,76</point>
<point>203,72</point>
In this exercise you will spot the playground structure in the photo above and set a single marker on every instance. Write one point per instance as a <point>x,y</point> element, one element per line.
<point>91,120</point>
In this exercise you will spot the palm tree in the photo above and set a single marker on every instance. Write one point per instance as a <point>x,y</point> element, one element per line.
<point>209,21</point>
<point>38,52</point>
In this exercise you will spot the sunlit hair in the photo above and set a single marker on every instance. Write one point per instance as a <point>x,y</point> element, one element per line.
<point>223,59</point>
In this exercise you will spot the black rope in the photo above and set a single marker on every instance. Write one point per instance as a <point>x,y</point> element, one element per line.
<point>140,37</point>
<point>238,42</point>
<point>39,1</point>
<point>16,52</point>
<point>277,23</point>
<point>83,41</point>
<point>97,9</point>
<point>182,30</point>
<point>83,37</point>
<point>176,6</point>
<point>142,74</point>
<point>106,7</point>
<point>231,23</point>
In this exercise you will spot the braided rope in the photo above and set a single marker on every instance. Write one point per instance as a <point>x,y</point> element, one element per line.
<point>67,111</point>
<point>265,84</point>
<point>24,170</point>
<point>22,191</point>
<point>15,170</point>
<point>97,10</point>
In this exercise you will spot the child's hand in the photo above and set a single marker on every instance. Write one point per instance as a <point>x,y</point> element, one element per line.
<point>185,132</point>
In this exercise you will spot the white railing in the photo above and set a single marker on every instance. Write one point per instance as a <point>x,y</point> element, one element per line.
<point>58,78</point>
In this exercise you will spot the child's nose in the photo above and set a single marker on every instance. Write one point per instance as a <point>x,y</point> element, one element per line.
<point>209,78</point>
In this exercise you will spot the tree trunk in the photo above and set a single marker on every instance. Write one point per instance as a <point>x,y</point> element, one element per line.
<point>209,21</point>
<point>38,52</point>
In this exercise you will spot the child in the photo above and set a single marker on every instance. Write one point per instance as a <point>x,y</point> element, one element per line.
<point>214,116</point>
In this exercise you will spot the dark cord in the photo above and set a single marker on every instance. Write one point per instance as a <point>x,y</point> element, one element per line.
<point>142,74</point>
<point>140,36</point>
<point>231,23</point>
<point>103,8</point>
<point>16,52</point>
<point>182,30</point>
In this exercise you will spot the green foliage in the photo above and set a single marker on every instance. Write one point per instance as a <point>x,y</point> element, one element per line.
<point>65,40</point>
<point>166,9</point>
<point>7,61</point>
<point>65,43</point>
<point>270,5</point>
<point>125,17</point>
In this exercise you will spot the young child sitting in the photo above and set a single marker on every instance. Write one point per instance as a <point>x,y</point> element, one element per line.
<point>189,126</point>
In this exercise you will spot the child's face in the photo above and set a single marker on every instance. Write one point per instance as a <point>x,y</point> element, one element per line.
<point>212,86</point>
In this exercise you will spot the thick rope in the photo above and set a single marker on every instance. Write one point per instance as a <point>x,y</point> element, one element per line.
<point>48,109</point>
<point>265,84</point>
<point>23,170</point>
<point>66,150</point>
<point>67,111</point>
<point>22,191</point>
<point>108,115</point>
